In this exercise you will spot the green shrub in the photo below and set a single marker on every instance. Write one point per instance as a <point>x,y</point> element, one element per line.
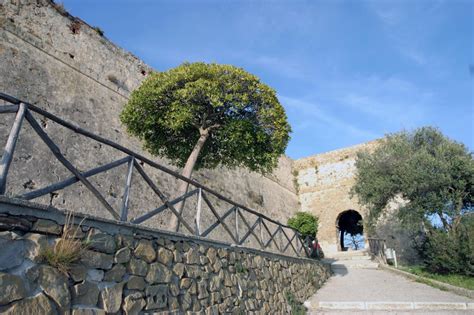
<point>450,252</point>
<point>305,223</point>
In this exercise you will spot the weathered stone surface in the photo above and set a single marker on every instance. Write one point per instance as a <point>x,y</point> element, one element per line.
<point>38,304</point>
<point>35,244</point>
<point>133,303</point>
<point>111,298</point>
<point>156,296</point>
<point>137,267</point>
<point>85,293</point>
<point>12,288</point>
<point>165,256</point>
<point>178,269</point>
<point>186,301</point>
<point>94,259</point>
<point>215,284</point>
<point>95,275</point>
<point>192,256</point>
<point>212,255</point>
<point>78,272</point>
<point>12,253</point>
<point>158,273</point>
<point>122,255</point>
<point>14,223</point>
<point>136,283</point>
<point>193,271</point>
<point>145,251</point>
<point>115,274</point>
<point>202,290</point>
<point>55,285</point>
<point>47,226</point>
<point>88,311</point>
<point>102,242</point>
<point>177,256</point>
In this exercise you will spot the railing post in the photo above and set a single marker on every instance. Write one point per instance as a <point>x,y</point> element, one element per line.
<point>10,147</point>
<point>126,192</point>
<point>237,237</point>
<point>198,213</point>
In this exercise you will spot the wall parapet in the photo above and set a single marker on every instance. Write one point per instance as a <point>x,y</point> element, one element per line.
<point>161,272</point>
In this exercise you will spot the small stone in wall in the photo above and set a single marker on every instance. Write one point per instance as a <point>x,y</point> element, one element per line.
<point>135,283</point>
<point>192,256</point>
<point>165,256</point>
<point>122,256</point>
<point>85,293</point>
<point>12,288</point>
<point>12,253</point>
<point>94,259</point>
<point>185,301</point>
<point>145,251</point>
<point>55,285</point>
<point>78,273</point>
<point>47,226</point>
<point>137,267</point>
<point>102,242</point>
<point>95,275</point>
<point>157,296</point>
<point>158,273</point>
<point>202,290</point>
<point>88,311</point>
<point>133,303</point>
<point>38,304</point>
<point>115,274</point>
<point>178,269</point>
<point>111,298</point>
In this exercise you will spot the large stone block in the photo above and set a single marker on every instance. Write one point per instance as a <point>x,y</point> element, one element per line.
<point>12,288</point>
<point>38,304</point>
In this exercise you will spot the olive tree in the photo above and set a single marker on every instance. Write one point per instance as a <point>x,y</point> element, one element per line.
<point>432,177</point>
<point>201,115</point>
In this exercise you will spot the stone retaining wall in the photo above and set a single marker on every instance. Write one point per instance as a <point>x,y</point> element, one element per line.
<point>133,270</point>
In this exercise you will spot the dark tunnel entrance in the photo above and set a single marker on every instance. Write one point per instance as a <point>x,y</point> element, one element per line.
<point>350,230</point>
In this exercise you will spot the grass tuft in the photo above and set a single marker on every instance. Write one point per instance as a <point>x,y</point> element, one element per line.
<point>453,279</point>
<point>68,248</point>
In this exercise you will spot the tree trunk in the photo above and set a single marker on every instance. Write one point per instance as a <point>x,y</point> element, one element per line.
<point>187,172</point>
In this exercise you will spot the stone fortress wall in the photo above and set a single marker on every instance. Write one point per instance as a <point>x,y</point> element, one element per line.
<point>324,182</point>
<point>63,65</point>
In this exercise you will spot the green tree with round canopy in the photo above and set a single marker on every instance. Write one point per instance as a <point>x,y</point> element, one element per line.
<point>201,115</point>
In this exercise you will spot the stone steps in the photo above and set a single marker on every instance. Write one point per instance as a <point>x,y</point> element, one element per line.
<point>341,262</point>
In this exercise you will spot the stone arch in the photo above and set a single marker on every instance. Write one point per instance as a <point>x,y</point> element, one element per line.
<point>349,223</point>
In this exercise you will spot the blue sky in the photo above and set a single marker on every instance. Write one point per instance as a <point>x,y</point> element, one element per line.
<point>346,71</point>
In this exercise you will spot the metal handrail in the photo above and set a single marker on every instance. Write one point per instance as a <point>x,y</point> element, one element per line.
<point>23,111</point>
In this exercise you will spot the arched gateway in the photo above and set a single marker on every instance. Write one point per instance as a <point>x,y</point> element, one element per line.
<point>350,230</point>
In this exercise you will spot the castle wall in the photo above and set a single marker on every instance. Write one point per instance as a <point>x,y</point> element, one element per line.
<point>64,66</point>
<point>324,182</point>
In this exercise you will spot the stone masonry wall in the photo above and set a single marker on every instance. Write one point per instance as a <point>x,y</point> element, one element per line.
<point>130,270</point>
<point>63,65</point>
<point>324,182</point>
